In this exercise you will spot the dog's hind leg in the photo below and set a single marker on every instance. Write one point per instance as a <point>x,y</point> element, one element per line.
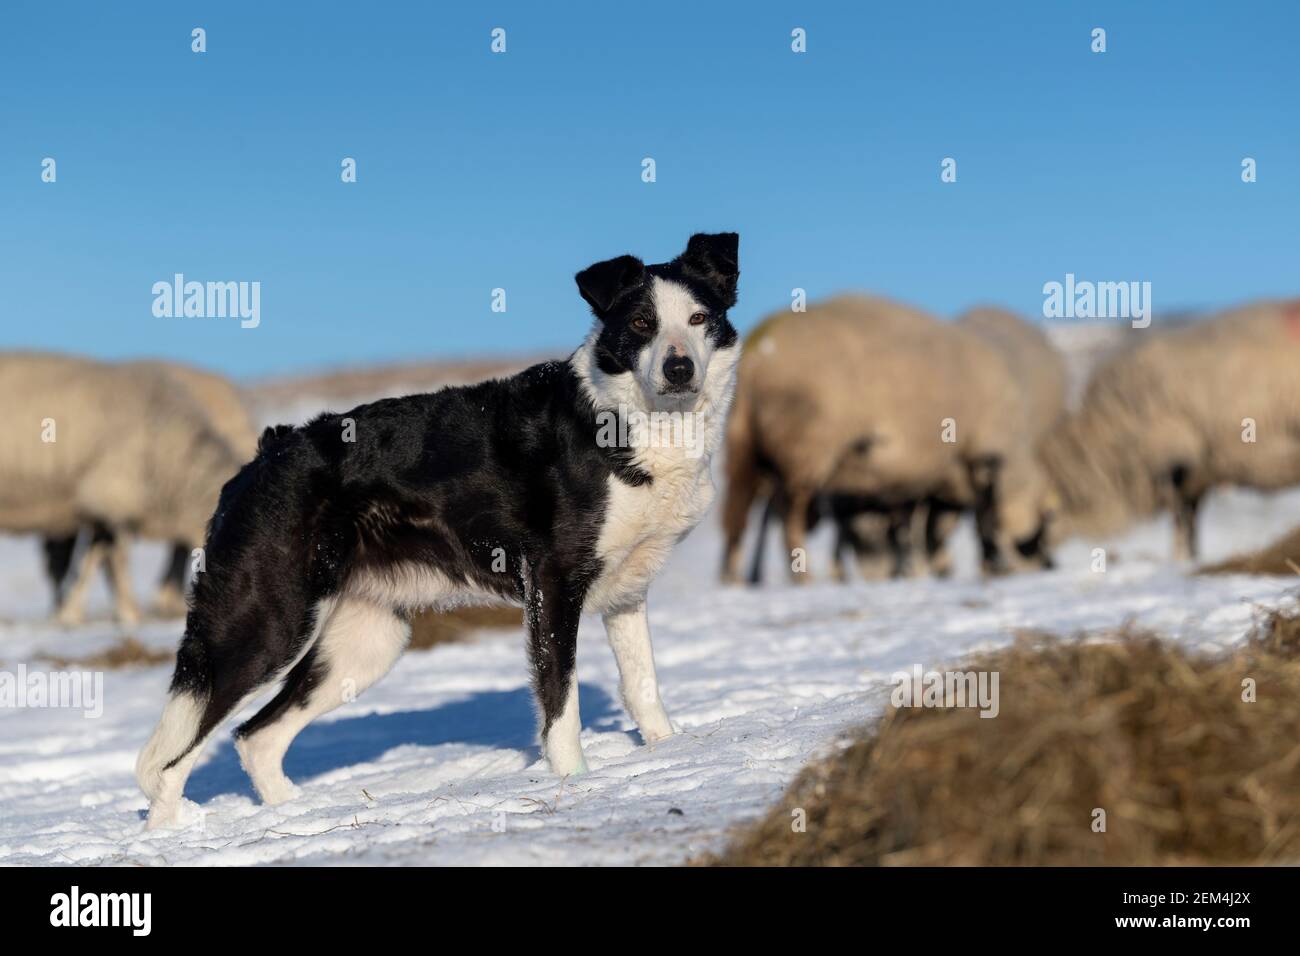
<point>167,759</point>
<point>359,643</point>
<point>216,674</point>
<point>188,720</point>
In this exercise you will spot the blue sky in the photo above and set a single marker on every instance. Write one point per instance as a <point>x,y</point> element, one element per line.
<point>478,171</point>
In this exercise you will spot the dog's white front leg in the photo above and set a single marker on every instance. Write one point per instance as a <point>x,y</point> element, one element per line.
<point>563,744</point>
<point>629,636</point>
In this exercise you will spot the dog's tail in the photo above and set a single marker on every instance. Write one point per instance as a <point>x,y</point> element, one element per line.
<point>179,730</point>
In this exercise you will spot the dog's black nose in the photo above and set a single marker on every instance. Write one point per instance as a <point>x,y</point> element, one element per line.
<point>678,370</point>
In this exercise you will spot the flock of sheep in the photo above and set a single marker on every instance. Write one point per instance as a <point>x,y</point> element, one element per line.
<point>93,454</point>
<point>891,424</point>
<point>884,420</point>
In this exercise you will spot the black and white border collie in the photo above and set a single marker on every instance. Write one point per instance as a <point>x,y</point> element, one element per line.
<point>322,547</point>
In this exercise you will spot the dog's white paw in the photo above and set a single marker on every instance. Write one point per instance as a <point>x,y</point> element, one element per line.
<point>569,768</point>
<point>162,816</point>
<point>173,814</point>
<point>655,726</point>
<point>579,769</point>
<point>565,759</point>
<point>264,768</point>
<point>278,791</point>
<point>653,733</point>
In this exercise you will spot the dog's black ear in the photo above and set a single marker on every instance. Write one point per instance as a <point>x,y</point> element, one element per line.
<point>603,283</point>
<point>714,258</point>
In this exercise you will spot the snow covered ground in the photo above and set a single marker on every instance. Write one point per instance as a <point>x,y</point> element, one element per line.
<point>437,764</point>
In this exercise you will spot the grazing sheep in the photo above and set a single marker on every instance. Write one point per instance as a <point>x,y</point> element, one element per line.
<point>223,404</point>
<point>861,527</point>
<point>868,533</point>
<point>1039,372</point>
<point>119,448</point>
<point>1213,403</point>
<point>868,397</point>
<point>1035,365</point>
<point>864,531</point>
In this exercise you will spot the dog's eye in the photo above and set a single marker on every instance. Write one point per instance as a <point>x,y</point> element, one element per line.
<point>640,324</point>
<point>699,318</point>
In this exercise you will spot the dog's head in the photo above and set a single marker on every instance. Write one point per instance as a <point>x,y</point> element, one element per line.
<point>662,326</point>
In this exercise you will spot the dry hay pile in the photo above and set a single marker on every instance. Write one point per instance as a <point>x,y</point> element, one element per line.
<point>125,652</point>
<point>1280,557</point>
<point>1157,737</point>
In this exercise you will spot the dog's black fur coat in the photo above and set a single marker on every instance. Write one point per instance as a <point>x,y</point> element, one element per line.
<point>500,486</point>
<point>413,487</point>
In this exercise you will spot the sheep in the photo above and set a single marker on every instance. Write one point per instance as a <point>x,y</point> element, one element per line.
<point>223,404</point>
<point>869,533</point>
<point>861,527</point>
<point>869,397</point>
<point>123,448</point>
<point>1036,367</point>
<point>1041,377</point>
<point>1039,373</point>
<point>1213,403</point>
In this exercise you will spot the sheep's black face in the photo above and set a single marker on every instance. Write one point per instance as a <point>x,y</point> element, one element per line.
<point>662,324</point>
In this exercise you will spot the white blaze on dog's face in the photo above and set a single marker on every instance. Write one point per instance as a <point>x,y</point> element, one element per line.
<point>674,360</point>
<point>662,326</point>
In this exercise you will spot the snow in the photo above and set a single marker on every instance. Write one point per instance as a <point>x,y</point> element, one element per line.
<point>438,763</point>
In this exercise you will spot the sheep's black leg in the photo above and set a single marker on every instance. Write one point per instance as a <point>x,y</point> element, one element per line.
<point>1187,496</point>
<point>900,538</point>
<point>58,564</point>
<point>174,571</point>
<point>845,542</point>
<point>985,474</point>
<point>770,511</point>
<point>170,599</point>
<point>843,511</point>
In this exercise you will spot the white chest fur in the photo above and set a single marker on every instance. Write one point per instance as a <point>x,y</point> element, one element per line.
<point>643,523</point>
